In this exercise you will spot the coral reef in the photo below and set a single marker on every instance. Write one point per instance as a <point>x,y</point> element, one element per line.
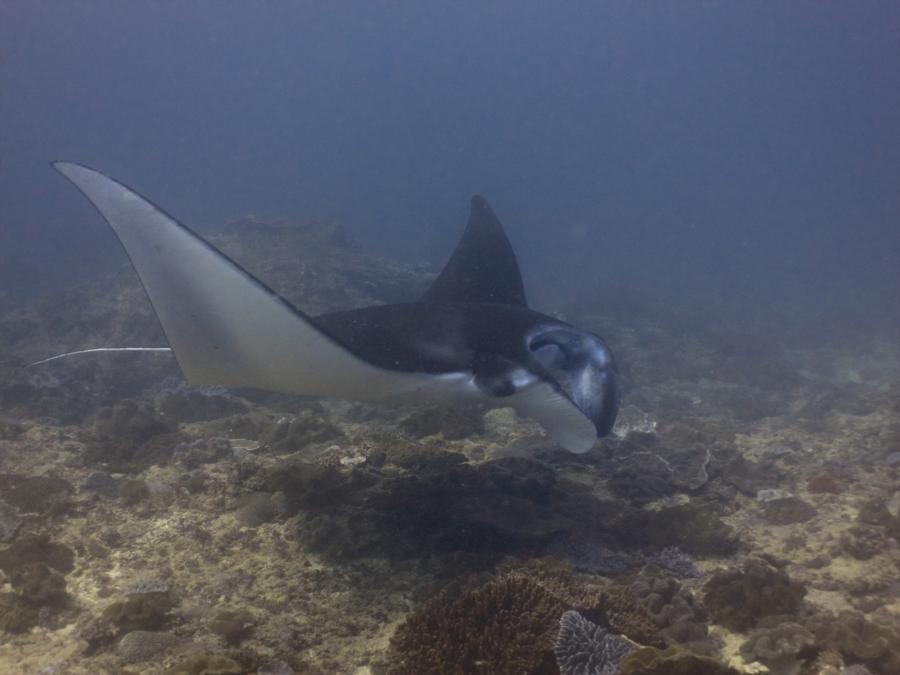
<point>686,526</point>
<point>673,609</point>
<point>873,642</point>
<point>36,494</point>
<point>507,625</point>
<point>9,522</point>
<point>739,597</point>
<point>240,531</point>
<point>290,434</point>
<point>672,661</point>
<point>453,423</point>
<point>788,511</point>
<point>584,648</point>
<point>676,562</point>
<point>780,645</point>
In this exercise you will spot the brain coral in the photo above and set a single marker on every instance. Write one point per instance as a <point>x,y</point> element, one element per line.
<point>506,625</point>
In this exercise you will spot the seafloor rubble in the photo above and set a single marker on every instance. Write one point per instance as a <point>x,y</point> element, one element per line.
<point>743,519</point>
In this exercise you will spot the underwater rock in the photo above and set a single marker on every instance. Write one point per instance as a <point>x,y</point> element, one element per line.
<point>672,661</point>
<point>16,615</point>
<point>779,646</point>
<point>863,541</point>
<point>788,511</point>
<point>198,404</point>
<point>584,648</point>
<point>874,642</point>
<point>290,434</point>
<point>146,585</point>
<point>141,645</point>
<point>31,549</point>
<point>452,422</point>
<point>130,420</point>
<point>686,526</point>
<point>203,451</point>
<point>772,495</point>
<point>205,664</point>
<point>10,430</point>
<point>257,508</point>
<point>505,626</point>
<point>46,495</point>
<point>232,625</point>
<point>147,611</point>
<point>676,562</point>
<point>9,522</point>
<point>739,597</point>
<point>592,557</point>
<point>876,512</point>
<point>642,478</point>
<point>276,667</point>
<point>39,585</point>
<point>133,491</point>
<point>129,437</point>
<point>521,477</point>
<point>824,483</point>
<point>751,477</point>
<point>419,459</point>
<point>100,483</point>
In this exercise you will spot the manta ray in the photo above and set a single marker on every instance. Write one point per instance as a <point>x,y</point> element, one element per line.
<point>470,337</point>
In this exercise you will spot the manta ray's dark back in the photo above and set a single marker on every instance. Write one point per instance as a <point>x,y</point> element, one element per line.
<point>483,267</point>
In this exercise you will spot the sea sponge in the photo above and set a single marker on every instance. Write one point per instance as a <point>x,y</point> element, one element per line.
<point>739,597</point>
<point>506,625</point>
<point>583,647</point>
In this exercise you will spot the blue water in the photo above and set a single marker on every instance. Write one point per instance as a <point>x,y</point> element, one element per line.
<point>744,153</point>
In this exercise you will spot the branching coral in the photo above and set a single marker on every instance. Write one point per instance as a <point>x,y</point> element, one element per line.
<point>507,625</point>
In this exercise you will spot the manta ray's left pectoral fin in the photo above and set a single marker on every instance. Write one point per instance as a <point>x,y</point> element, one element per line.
<point>224,325</point>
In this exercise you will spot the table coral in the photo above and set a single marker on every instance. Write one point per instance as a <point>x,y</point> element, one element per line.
<point>584,648</point>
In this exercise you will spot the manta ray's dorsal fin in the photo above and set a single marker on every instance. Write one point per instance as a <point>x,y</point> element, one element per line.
<point>483,268</point>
